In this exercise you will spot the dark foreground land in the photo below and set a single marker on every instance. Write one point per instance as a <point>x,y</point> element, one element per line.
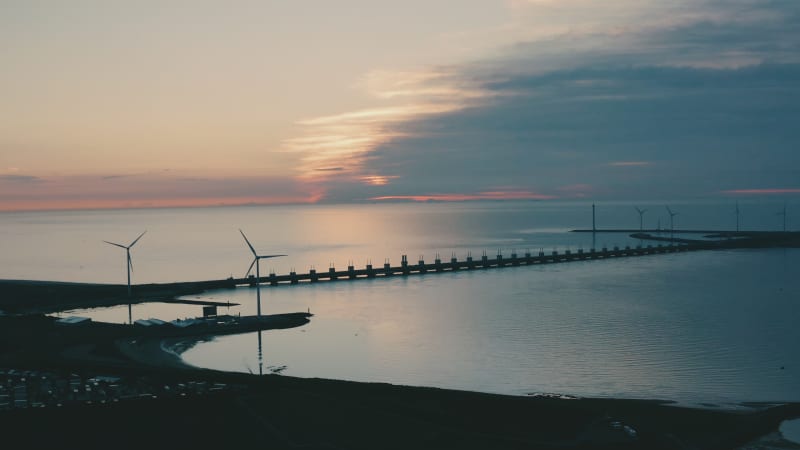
<point>279,412</point>
<point>283,412</point>
<point>148,405</point>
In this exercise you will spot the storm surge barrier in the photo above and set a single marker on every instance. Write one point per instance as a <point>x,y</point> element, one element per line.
<point>484,262</point>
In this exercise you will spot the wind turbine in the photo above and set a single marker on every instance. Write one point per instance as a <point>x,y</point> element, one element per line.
<point>256,260</point>
<point>641,217</point>
<point>783,213</point>
<point>130,269</point>
<point>128,257</point>
<point>671,222</point>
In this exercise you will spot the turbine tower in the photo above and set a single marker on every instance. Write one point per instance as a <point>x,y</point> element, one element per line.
<point>128,257</point>
<point>129,265</point>
<point>737,217</point>
<point>256,259</point>
<point>641,217</point>
<point>671,222</point>
<point>783,213</point>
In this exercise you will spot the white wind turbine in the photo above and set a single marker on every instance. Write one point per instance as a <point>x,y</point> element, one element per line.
<point>128,257</point>
<point>256,260</point>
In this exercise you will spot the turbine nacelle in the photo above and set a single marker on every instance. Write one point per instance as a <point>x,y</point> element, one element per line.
<point>255,254</point>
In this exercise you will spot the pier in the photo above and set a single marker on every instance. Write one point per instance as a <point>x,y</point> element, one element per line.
<point>719,240</point>
<point>470,263</point>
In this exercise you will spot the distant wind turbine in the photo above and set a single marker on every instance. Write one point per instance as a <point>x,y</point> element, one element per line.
<point>128,257</point>
<point>737,217</point>
<point>256,260</point>
<point>671,221</point>
<point>641,217</point>
<point>783,213</point>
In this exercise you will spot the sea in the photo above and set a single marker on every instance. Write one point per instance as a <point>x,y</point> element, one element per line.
<point>709,328</point>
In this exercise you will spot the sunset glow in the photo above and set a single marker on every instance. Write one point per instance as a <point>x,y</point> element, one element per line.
<point>276,103</point>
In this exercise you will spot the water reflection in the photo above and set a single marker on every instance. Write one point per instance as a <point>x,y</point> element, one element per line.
<point>644,327</point>
<point>260,355</point>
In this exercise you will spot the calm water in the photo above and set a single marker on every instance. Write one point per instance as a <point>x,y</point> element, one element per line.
<point>708,327</point>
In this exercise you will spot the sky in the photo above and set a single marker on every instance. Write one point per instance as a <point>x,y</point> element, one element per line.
<point>118,104</point>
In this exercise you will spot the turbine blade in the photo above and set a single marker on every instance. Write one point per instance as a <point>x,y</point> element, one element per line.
<point>118,245</point>
<point>251,267</point>
<point>137,239</point>
<point>248,243</point>
<point>269,256</point>
<point>668,210</point>
<point>130,262</point>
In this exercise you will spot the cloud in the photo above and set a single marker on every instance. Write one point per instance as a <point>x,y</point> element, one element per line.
<point>150,190</point>
<point>712,94</point>
<point>345,140</point>
<point>19,179</point>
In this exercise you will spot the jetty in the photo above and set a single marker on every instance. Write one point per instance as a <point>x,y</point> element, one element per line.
<point>714,240</point>
<point>484,262</point>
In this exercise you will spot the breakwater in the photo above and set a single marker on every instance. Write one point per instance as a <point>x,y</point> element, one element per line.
<point>484,262</point>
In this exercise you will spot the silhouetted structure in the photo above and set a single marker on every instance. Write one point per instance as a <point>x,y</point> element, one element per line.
<point>256,260</point>
<point>129,264</point>
<point>641,217</point>
<point>671,222</point>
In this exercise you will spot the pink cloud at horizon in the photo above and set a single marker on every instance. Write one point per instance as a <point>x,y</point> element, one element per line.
<point>30,193</point>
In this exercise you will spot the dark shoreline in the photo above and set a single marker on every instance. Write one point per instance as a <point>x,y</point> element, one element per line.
<point>46,297</point>
<point>279,411</point>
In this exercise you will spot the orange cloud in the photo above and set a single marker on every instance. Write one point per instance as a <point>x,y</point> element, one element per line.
<point>378,180</point>
<point>345,140</point>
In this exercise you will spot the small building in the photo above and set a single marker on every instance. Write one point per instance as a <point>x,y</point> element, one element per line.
<point>73,321</point>
<point>210,311</point>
